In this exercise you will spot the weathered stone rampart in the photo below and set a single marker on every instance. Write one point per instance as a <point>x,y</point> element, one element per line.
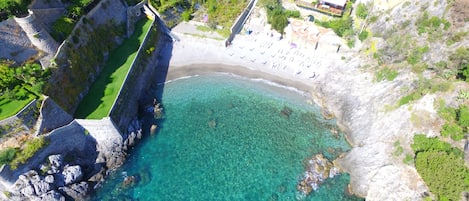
<point>39,37</point>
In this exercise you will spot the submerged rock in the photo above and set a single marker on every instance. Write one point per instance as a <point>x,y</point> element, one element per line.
<point>318,169</point>
<point>286,112</point>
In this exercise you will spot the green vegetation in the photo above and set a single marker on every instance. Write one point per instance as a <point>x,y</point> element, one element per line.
<point>19,85</point>
<point>361,11</point>
<point>441,167</point>
<point>423,144</point>
<point>425,24</point>
<point>17,157</point>
<point>343,26</point>
<point>10,8</point>
<point>457,121</point>
<point>425,86</point>
<point>398,149</point>
<point>363,35</point>
<point>386,74</point>
<point>416,55</point>
<point>64,25</point>
<point>98,102</point>
<point>445,174</point>
<point>7,155</point>
<point>277,18</point>
<point>74,74</point>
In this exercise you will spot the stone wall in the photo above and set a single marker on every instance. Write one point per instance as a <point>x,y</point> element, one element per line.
<point>39,37</point>
<point>140,76</point>
<point>27,115</point>
<point>15,44</point>
<point>239,23</point>
<point>75,74</point>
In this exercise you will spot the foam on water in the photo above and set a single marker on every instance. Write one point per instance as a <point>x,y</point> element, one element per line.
<point>226,138</point>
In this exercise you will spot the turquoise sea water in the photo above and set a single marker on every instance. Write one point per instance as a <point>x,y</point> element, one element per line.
<point>226,138</point>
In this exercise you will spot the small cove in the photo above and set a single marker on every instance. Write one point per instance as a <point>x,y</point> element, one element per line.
<point>226,138</point>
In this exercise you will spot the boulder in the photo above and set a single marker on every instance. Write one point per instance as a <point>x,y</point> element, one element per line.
<point>77,191</point>
<point>56,163</point>
<point>52,195</point>
<point>41,187</point>
<point>72,174</point>
<point>49,179</point>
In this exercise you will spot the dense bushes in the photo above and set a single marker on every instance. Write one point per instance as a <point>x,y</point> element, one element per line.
<point>29,76</point>
<point>441,166</point>
<point>445,174</point>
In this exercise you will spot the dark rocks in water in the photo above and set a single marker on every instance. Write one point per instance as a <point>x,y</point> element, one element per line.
<point>52,195</point>
<point>318,169</point>
<point>158,111</point>
<point>327,114</point>
<point>286,112</point>
<point>153,129</point>
<point>76,191</point>
<point>129,181</point>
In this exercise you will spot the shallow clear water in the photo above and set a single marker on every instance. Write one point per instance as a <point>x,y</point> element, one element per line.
<point>225,138</point>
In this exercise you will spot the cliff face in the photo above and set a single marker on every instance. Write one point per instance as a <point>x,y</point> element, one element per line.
<point>359,106</point>
<point>367,109</point>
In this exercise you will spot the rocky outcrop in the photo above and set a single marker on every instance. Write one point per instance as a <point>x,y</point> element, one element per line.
<point>359,106</point>
<point>55,182</point>
<point>318,169</point>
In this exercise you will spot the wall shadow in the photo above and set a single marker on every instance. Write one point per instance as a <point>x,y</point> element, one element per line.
<point>154,93</point>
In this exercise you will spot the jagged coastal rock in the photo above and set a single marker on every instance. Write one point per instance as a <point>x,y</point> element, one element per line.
<point>318,169</point>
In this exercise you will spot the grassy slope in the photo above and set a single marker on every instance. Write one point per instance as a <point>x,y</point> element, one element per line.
<point>10,107</point>
<point>98,102</point>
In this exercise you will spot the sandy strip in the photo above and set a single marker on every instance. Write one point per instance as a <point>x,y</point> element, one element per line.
<point>204,69</point>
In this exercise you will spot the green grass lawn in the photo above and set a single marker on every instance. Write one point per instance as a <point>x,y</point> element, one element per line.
<point>98,102</point>
<point>9,107</point>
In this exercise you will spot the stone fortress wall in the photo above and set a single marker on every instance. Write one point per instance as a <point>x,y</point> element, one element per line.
<point>103,140</point>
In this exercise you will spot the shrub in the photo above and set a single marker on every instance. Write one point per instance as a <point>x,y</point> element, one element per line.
<point>463,116</point>
<point>422,144</point>
<point>29,149</point>
<point>445,174</point>
<point>453,130</point>
<point>363,35</point>
<point>7,155</point>
<point>362,11</point>
<point>62,28</point>
<point>186,15</point>
<point>292,13</point>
